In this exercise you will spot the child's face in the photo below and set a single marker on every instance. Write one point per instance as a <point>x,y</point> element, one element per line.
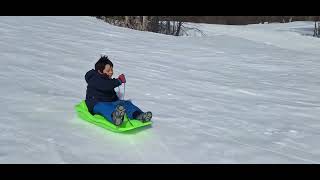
<point>108,70</point>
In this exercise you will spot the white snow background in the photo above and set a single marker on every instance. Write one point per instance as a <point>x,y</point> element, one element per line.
<point>239,94</point>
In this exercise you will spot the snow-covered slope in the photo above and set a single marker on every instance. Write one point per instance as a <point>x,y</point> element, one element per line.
<point>295,36</point>
<point>241,94</point>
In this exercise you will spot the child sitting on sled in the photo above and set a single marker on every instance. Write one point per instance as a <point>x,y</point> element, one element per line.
<point>102,99</point>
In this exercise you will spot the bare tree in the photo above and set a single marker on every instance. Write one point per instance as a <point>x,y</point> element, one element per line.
<point>178,28</point>
<point>316,31</point>
<point>126,21</point>
<point>154,24</point>
<point>170,25</point>
<point>145,23</point>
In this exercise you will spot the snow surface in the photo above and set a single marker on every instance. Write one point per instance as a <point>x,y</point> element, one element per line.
<point>240,94</point>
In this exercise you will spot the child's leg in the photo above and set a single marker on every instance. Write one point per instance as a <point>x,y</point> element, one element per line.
<point>131,109</point>
<point>105,109</point>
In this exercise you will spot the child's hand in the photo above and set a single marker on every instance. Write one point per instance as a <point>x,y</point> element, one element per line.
<point>122,78</point>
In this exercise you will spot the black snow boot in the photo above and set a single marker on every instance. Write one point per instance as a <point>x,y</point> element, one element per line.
<point>145,116</point>
<point>118,115</point>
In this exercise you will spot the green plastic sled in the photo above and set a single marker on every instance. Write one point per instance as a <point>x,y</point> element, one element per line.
<point>128,124</point>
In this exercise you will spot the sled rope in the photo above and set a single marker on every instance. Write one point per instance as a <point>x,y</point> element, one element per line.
<point>124,92</point>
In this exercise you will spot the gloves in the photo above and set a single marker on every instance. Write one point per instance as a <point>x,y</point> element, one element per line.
<point>122,78</point>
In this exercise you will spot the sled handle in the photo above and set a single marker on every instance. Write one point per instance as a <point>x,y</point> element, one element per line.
<point>124,90</point>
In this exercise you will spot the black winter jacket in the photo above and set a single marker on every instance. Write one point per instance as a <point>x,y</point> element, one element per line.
<point>100,89</point>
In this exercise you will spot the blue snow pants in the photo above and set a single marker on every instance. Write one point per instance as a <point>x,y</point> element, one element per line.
<point>106,108</point>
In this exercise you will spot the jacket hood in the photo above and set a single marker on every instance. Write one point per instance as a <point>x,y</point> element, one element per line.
<point>90,74</point>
